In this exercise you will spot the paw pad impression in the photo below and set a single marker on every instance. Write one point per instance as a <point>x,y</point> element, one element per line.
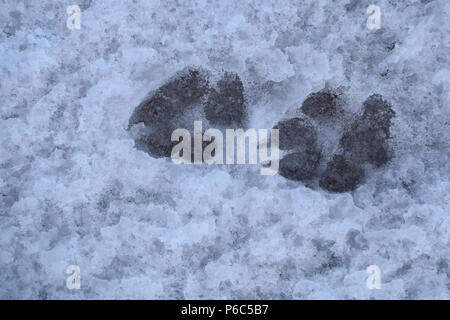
<point>192,95</point>
<point>189,95</point>
<point>364,142</point>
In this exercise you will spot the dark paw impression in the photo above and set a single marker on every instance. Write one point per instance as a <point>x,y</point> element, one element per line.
<point>188,96</point>
<point>192,94</point>
<point>364,142</point>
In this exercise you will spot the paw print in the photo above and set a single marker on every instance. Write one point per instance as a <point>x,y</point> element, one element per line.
<point>192,95</point>
<point>364,142</point>
<point>189,95</point>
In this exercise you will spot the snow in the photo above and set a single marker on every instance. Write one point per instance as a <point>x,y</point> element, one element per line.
<point>75,191</point>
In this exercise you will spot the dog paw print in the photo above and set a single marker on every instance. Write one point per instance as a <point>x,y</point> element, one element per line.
<point>364,142</point>
<point>189,95</point>
<point>219,101</point>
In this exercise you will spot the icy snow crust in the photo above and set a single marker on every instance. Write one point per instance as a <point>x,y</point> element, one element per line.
<point>75,190</point>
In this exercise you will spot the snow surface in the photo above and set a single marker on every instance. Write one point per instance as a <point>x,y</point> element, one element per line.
<point>74,190</point>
